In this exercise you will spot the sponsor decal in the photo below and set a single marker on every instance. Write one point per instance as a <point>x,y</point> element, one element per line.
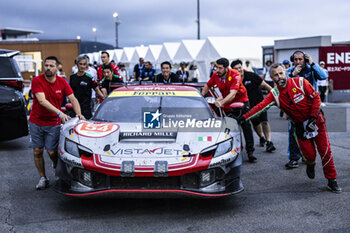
<point>205,139</point>
<point>72,161</point>
<point>58,91</point>
<point>143,151</point>
<point>82,83</point>
<point>220,163</point>
<point>227,131</point>
<point>151,134</point>
<point>229,78</point>
<point>95,129</point>
<point>299,98</point>
<point>154,93</point>
<point>294,90</point>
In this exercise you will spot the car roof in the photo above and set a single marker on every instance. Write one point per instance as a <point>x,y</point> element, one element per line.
<point>155,87</point>
<point>8,53</point>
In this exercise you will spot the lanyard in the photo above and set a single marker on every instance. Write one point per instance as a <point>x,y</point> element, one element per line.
<point>222,80</point>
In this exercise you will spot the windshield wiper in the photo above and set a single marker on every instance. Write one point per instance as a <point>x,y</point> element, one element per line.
<point>160,104</point>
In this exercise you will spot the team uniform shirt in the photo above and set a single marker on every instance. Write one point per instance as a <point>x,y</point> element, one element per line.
<point>298,103</point>
<point>82,87</point>
<point>138,69</point>
<point>173,78</point>
<point>107,83</point>
<point>252,82</point>
<point>183,74</point>
<point>54,93</point>
<point>148,73</point>
<point>232,81</point>
<point>100,75</point>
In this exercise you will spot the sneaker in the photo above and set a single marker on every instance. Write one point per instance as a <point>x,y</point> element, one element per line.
<point>270,147</point>
<point>292,164</point>
<point>43,183</point>
<point>310,171</point>
<point>333,186</point>
<point>262,142</point>
<point>251,158</point>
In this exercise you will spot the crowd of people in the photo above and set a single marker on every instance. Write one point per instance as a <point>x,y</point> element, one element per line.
<point>292,88</point>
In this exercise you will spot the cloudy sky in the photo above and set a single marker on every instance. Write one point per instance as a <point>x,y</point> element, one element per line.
<point>157,21</point>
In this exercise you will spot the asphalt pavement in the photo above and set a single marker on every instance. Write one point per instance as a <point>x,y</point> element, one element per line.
<point>274,200</point>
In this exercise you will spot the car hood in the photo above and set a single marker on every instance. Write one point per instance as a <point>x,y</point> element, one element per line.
<point>128,139</point>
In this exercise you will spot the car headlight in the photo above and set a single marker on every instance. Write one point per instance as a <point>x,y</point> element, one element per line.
<point>217,149</point>
<point>71,148</point>
<point>223,148</point>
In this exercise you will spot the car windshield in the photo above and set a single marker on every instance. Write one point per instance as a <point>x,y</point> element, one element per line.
<point>130,109</point>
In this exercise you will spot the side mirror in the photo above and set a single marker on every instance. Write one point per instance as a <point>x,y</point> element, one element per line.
<point>210,100</point>
<point>69,106</point>
<point>236,105</point>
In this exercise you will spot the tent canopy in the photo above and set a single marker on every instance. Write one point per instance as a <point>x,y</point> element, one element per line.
<point>153,53</point>
<point>140,51</point>
<point>168,51</point>
<point>117,55</point>
<point>128,52</point>
<point>188,50</point>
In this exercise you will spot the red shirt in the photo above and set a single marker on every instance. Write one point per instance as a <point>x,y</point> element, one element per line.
<point>297,104</point>
<point>232,81</point>
<point>54,93</point>
<point>100,71</point>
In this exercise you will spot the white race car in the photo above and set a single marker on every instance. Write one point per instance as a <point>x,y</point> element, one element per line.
<point>151,139</point>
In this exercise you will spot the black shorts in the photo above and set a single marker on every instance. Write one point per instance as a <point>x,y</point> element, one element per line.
<point>262,117</point>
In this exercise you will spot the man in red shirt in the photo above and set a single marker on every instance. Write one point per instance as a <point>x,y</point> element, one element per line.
<point>45,118</point>
<point>299,100</point>
<point>232,90</point>
<point>105,61</point>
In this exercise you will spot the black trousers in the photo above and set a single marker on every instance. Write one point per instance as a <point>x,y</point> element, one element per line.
<point>322,90</point>
<point>247,130</point>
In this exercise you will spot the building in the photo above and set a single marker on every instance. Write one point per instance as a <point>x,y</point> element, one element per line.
<point>336,56</point>
<point>33,50</point>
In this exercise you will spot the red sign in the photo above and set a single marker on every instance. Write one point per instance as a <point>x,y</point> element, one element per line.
<point>337,62</point>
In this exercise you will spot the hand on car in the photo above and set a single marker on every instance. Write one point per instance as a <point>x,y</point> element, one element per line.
<point>81,117</point>
<point>218,103</point>
<point>64,117</point>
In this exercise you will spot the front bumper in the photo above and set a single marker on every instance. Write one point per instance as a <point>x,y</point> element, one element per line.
<point>214,182</point>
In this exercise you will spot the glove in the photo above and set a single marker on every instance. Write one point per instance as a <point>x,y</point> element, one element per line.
<point>311,124</point>
<point>240,120</point>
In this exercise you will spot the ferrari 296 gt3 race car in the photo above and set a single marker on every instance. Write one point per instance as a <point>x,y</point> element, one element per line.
<point>151,139</point>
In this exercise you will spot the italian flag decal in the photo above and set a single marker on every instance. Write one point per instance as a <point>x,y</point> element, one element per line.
<point>204,139</point>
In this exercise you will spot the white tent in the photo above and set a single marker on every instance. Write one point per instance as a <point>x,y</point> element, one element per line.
<point>140,51</point>
<point>244,48</point>
<point>188,50</point>
<point>96,57</point>
<point>111,54</point>
<point>117,55</point>
<point>91,57</point>
<point>128,52</point>
<point>153,53</point>
<point>168,51</point>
